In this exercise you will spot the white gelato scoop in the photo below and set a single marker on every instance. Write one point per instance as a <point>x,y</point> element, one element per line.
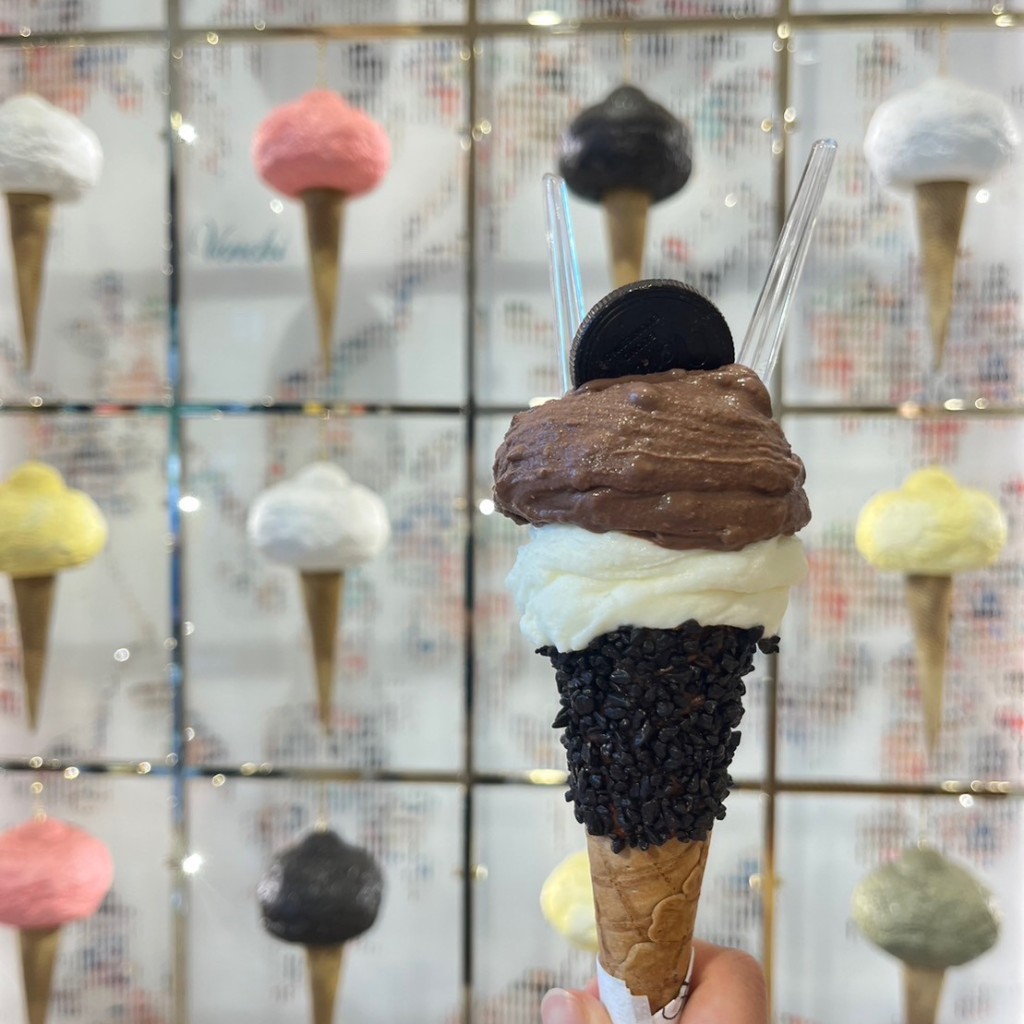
<point>942,130</point>
<point>45,150</point>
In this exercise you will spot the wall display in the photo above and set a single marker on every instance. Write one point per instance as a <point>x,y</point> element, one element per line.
<point>179,375</point>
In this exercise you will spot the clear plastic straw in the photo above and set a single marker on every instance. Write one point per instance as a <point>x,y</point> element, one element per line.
<point>566,288</point>
<point>760,348</point>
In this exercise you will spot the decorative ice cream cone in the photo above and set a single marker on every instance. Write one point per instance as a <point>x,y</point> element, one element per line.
<point>922,993</point>
<point>325,220</point>
<point>940,217</point>
<point>33,599</point>
<point>30,217</point>
<point>646,906</point>
<point>321,595</point>
<point>626,221</point>
<point>324,966</point>
<point>38,960</point>
<point>930,603</point>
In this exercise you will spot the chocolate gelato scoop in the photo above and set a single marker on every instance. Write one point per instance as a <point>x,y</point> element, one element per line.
<point>625,142</point>
<point>321,891</point>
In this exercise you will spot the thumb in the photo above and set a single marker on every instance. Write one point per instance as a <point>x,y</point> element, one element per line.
<point>560,1006</point>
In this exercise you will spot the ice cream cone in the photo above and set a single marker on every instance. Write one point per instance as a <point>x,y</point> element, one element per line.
<point>626,220</point>
<point>321,593</point>
<point>33,598</point>
<point>38,959</point>
<point>30,233</point>
<point>324,966</point>
<point>325,221</point>
<point>930,602</point>
<point>646,906</point>
<point>922,993</point>
<point>940,217</point>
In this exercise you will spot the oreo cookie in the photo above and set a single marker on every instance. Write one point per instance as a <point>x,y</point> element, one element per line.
<point>650,327</point>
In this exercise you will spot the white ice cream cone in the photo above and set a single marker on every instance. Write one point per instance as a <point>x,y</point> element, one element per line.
<point>321,594</point>
<point>30,217</point>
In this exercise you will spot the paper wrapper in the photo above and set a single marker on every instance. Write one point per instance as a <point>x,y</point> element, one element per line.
<point>38,959</point>
<point>321,594</point>
<point>325,221</point>
<point>33,599</point>
<point>930,602</point>
<point>626,220</point>
<point>30,217</point>
<point>922,993</point>
<point>646,907</point>
<point>940,217</point>
<point>324,966</point>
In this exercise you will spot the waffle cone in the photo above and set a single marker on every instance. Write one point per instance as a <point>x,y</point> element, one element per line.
<point>30,217</point>
<point>324,966</point>
<point>33,599</point>
<point>922,993</point>
<point>325,221</point>
<point>940,217</point>
<point>646,906</point>
<point>321,594</point>
<point>930,602</point>
<point>38,959</point>
<point>626,221</point>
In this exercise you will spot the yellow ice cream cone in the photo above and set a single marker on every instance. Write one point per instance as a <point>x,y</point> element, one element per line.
<point>930,603</point>
<point>321,594</point>
<point>325,220</point>
<point>922,993</point>
<point>324,966</point>
<point>38,959</point>
<point>940,217</point>
<point>646,906</point>
<point>33,599</point>
<point>626,221</point>
<point>30,217</point>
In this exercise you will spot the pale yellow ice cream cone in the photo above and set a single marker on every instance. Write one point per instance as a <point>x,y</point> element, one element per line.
<point>38,959</point>
<point>30,217</point>
<point>646,907</point>
<point>321,594</point>
<point>324,966</point>
<point>930,603</point>
<point>940,217</point>
<point>33,599</point>
<point>626,222</point>
<point>325,221</point>
<point>922,993</point>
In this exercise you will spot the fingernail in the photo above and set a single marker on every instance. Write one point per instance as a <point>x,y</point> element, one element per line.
<point>560,1007</point>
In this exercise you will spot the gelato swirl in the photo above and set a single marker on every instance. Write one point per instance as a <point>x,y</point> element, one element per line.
<point>685,459</point>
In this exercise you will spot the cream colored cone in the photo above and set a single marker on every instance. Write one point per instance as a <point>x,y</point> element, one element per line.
<point>30,217</point>
<point>940,217</point>
<point>646,906</point>
<point>324,966</point>
<point>33,599</point>
<point>922,993</point>
<point>38,959</point>
<point>325,221</point>
<point>321,593</point>
<point>626,220</point>
<point>930,602</point>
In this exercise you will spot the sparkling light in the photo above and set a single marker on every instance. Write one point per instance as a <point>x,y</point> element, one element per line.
<point>189,503</point>
<point>192,863</point>
<point>486,507</point>
<point>543,18</point>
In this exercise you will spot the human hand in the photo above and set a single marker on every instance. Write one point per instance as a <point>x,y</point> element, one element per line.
<point>728,988</point>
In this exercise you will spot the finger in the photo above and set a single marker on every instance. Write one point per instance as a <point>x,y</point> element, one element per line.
<point>728,985</point>
<point>560,1006</point>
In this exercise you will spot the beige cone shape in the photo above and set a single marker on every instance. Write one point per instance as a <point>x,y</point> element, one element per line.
<point>646,906</point>
<point>930,602</point>
<point>30,217</point>
<point>33,599</point>
<point>321,594</point>
<point>940,218</point>
<point>324,966</point>
<point>38,959</point>
<point>922,993</point>
<point>626,221</point>
<point>325,221</point>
